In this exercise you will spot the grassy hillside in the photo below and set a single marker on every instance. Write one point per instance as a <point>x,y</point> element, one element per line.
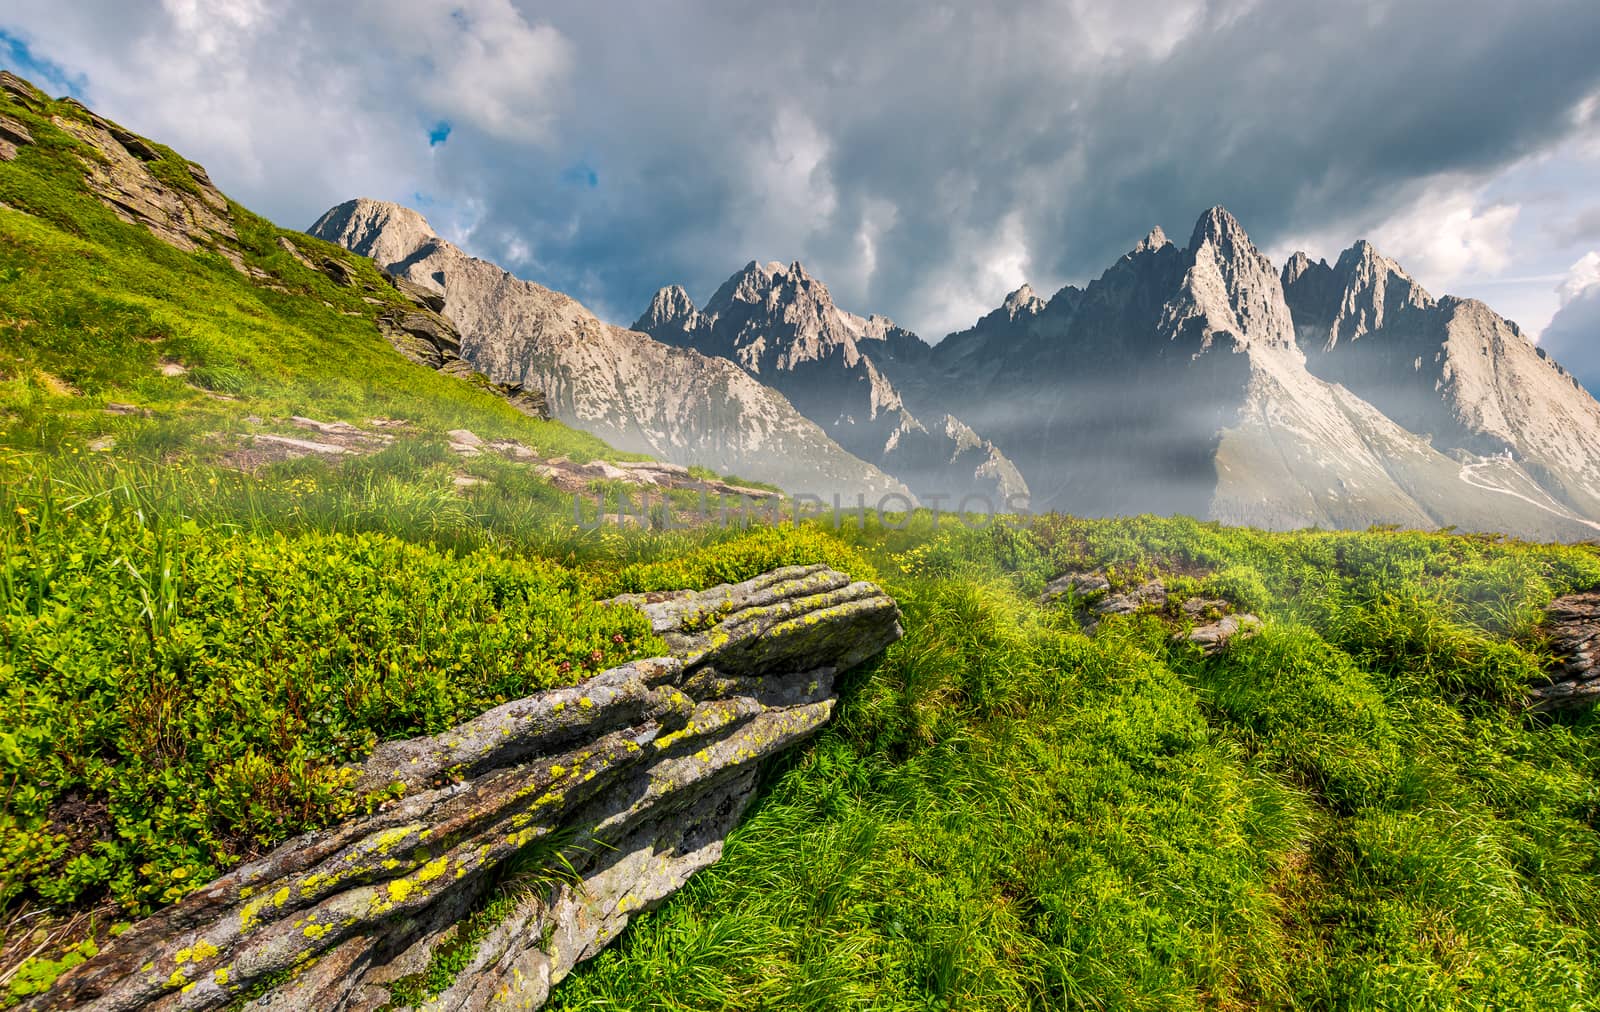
<point>93,307</point>
<point>1007,813</point>
<point>1349,810</point>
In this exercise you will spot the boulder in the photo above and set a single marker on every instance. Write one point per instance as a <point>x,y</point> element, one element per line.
<point>1572,625</point>
<point>627,782</point>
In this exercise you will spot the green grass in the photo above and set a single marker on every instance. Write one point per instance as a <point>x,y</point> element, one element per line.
<point>1009,814</point>
<point>1349,811</point>
<point>198,690</point>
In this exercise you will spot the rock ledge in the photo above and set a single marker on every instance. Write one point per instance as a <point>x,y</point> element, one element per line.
<point>627,783</point>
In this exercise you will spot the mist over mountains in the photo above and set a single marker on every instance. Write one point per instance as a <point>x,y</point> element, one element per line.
<point>1199,379</point>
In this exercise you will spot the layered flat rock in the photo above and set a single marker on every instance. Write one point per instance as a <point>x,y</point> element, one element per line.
<point>1573,626</point>
<point>628,782</point>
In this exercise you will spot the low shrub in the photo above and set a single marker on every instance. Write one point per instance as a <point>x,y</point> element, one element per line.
<point>174,699</point>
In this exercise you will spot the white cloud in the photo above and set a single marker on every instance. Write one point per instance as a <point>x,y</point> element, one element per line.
<point>1581,276</point>
<point>791,188</point>
<point>1039,133</point>
<point>994,265</point>
<point>294,106</point>
<point>1448,235</point>
<point>1573,336</point>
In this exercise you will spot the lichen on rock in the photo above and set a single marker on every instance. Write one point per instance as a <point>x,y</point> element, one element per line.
<point>631,779</point>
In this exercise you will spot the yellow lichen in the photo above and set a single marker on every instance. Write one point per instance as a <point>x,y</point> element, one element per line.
<point>247,915</point>
<point>433,869</point>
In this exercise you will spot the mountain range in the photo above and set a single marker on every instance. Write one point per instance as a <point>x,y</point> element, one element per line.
<point>1199,379</point>
<point>635,393</point>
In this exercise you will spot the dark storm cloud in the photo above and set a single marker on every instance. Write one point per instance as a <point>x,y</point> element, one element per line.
<point>920,158</point>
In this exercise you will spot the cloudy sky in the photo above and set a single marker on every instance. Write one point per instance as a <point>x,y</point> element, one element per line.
<point>922,158</point>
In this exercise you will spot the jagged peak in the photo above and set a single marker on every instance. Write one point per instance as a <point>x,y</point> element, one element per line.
<point>1217,224</point>
<point>1364,254</point>
<point>757,281</point>
<point>670,304</point>
<point>1154,241</point>
<point>1301,264</point>
<point>1022,301</point>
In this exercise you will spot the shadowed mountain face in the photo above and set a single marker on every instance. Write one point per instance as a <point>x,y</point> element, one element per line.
<point>636,393</point>
<point>1200,380</point>
<point>843,372</point>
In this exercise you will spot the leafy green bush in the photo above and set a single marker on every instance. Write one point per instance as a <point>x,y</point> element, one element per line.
<point>744,556</point>
<point>174,699</point>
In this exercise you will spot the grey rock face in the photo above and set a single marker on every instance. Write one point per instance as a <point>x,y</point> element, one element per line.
<point>857,377</point>
<point>13,134</point>
<point>628,782</point>
<point>426,336</point>
<point>636,393</point>
<point>1573,624</point>
<point>121,179</point>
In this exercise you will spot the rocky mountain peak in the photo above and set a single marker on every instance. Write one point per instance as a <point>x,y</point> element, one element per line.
<point>1230,288</point>
<point>1300,265</point>
<point>1217,225</point>
<point>1155,240</point>
<point>1373,288</point>
<point>379,229</point>
<point>671,305</point>
<point>1022,302</point>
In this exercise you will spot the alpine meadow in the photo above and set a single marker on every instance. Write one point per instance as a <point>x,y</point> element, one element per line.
<point>382,628</point>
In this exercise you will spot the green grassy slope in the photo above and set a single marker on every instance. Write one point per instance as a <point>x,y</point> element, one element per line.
<point>1349,811</point>
<point>91,306</point>
<point>1341,813</point>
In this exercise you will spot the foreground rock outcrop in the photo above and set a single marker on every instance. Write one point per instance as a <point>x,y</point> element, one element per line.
<point>1573,625</point>
<point>588,804</point>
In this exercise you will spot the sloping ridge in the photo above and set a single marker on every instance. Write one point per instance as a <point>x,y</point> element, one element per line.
<point>1454,371</point>
<point>636,393</point>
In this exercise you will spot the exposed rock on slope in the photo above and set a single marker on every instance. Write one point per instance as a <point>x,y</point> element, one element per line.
<point>636,393</point>
<point>1210,623</point>
<point>781,325</point>
<point>1174,383</point>
<point>627,782</point>
<point>1574,630</point>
